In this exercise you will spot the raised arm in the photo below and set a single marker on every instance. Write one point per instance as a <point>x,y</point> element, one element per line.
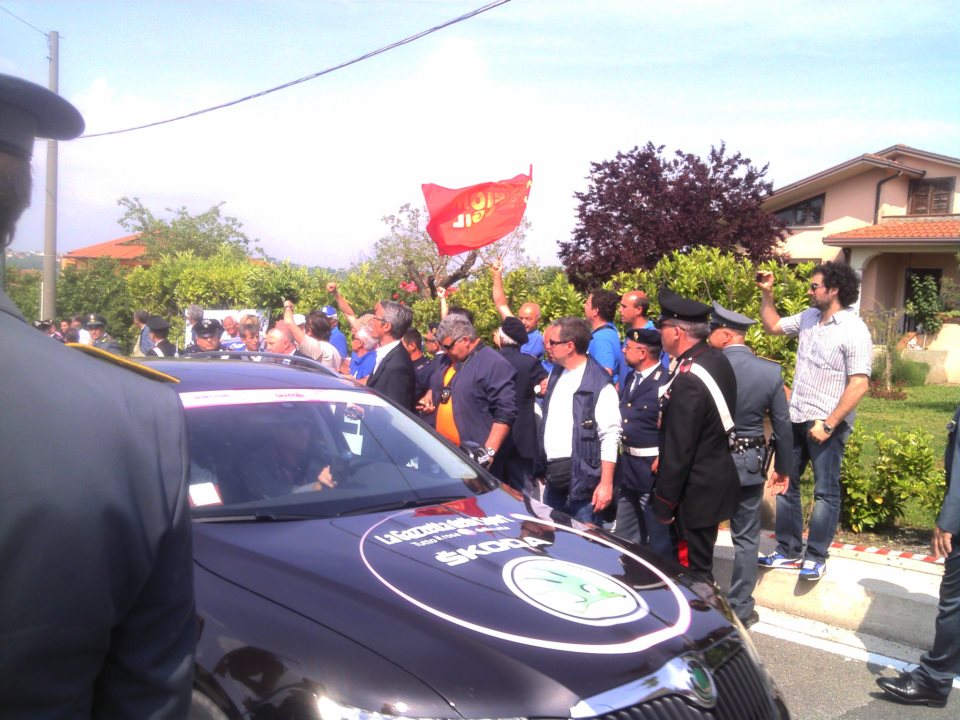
<point>499,296</point>
<point>343,305</point>
<point>768,310</point>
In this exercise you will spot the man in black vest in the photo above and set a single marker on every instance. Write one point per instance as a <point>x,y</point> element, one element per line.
<point>697,480</point>
<point>580,430</point>
<point>640,413</point>
<point>759,393</point>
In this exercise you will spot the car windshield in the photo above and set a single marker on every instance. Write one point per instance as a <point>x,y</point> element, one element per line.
<point>277,454</point>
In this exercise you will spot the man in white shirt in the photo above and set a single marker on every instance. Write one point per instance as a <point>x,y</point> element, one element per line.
<point>580,432</point>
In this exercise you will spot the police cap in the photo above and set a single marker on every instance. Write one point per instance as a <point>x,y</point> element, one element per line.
<point>157,324</point>
<point>645,336</point>
<point>729,319</point>
<point>208,327</point>
<point>28,111</point>
<point>94,320</point>
<point>674,307</point>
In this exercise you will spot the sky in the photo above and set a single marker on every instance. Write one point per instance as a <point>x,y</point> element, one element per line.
<point>311,171</point>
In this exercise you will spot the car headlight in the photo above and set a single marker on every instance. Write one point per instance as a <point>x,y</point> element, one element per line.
<point>329,709</point>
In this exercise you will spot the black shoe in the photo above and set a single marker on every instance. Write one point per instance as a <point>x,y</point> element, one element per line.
<point>907,690</point>
<point>752,619</point>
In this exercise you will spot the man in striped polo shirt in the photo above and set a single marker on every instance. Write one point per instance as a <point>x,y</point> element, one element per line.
<point>831,376</point>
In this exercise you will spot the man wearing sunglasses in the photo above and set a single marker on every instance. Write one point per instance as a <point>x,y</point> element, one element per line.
<point>474,393</point>
<point>580,431</point>
<point>393,374</point>
<point>832,374</point>
<point>697,480</point>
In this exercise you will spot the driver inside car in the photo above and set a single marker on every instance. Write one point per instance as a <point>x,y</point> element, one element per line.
<point>291,461</point>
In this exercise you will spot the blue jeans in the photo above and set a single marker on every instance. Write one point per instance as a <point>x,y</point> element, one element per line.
<point>581,510</point>
<point>825,459</point>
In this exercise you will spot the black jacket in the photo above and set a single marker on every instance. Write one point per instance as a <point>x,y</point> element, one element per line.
<point>530,372</point>
<point>395,378</point>
<point>696,470</point>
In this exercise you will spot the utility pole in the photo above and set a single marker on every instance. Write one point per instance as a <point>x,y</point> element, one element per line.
<point>48,299</point>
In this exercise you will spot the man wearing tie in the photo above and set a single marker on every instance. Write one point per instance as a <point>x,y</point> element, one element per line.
<point>639,410</point>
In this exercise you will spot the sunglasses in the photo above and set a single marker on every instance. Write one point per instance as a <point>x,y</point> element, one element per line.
<point>447,345</point>
<point>552,342</point>
<point>815,286</point>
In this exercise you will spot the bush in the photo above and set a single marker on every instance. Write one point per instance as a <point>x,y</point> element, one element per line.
<point>905,372</point>
<point>905,468</point>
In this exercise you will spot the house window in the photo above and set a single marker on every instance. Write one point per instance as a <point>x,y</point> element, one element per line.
<point>931,197</point>
<point>808,212</point>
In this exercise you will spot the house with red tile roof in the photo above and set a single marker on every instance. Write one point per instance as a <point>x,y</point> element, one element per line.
<point>129,251</point>
<point>891,215</point>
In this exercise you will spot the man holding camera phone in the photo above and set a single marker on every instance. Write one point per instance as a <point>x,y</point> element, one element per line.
<point>831,376</point>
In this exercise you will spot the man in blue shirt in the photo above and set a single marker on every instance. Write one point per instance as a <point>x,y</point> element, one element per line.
<point>337,338</point>
<point>605,344</point>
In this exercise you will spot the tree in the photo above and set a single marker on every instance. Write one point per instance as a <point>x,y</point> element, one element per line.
<point>641,205</point>
<point>100,287</point>
<point>205,235</point>
<point>407,254</point>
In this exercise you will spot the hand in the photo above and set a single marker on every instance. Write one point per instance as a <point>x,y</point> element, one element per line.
<point>765,281</point>
<point>602,496</point>
<point>655,465</point>
<point>942,544</point>
<point>661,510</point>
<point>778,483</point>
<point>441,292</point>
<point>425,404</point>
<point>332,288</point>
<point>496,266</point>
<point>287,305</point>
<point>816,432</point>
<point>325,480</point>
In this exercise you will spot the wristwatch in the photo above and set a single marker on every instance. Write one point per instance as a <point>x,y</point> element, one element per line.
<point>826,428</point>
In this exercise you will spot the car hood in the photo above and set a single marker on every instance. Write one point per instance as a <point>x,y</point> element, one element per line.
<point>500,608</point>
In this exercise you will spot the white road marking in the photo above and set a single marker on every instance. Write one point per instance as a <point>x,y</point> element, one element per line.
<point>837,641</point>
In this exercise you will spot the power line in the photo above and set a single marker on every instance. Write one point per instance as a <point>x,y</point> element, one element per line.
<point>374,53</point>
<point>42,32</point>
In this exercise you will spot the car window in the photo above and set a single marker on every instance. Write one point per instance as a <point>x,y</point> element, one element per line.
<point>314,452</point>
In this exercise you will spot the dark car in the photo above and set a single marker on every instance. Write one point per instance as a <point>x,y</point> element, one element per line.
<point>352,565</point>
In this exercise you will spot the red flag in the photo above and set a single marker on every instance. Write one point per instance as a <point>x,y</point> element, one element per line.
<point>471,217</point>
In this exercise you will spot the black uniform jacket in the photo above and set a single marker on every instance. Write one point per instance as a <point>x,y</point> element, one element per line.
<point>96,582</point>
<point>695,468</point>
<point>395,377</point>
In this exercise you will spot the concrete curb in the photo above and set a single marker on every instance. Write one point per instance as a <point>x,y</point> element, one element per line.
<point>887,595</point>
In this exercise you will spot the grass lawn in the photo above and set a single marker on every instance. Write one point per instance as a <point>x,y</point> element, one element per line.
<point>929,408</point>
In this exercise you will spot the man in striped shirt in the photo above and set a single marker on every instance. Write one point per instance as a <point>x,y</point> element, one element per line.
<point>831,376</point>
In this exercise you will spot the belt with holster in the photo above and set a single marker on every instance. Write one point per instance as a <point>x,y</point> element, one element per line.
<point>742,443</point>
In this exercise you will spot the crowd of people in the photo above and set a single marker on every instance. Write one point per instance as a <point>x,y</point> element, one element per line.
<point>660,431</point>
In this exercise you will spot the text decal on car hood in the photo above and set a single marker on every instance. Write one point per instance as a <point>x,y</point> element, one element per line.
<point>462,570</point>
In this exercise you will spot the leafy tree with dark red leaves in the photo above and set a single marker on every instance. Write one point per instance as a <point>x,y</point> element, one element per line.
<point>641,206</point>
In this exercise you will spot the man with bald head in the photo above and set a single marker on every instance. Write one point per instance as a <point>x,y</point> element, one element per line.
<point>633,310</point>
<point>528,314</point>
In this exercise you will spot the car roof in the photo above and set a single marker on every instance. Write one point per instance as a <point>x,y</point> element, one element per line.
<point>213,373</point>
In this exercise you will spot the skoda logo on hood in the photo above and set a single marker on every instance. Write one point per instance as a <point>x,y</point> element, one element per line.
<point>572,591</point>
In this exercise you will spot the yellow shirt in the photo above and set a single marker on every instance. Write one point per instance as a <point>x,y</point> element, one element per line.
<point>445,423</point>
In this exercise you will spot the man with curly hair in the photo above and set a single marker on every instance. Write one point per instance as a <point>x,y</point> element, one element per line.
<point>832,374</point>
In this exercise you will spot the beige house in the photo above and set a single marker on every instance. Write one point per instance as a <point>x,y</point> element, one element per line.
<point>890,215</point>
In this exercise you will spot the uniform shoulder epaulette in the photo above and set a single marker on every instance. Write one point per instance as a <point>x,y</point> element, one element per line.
<point>124,362</point>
